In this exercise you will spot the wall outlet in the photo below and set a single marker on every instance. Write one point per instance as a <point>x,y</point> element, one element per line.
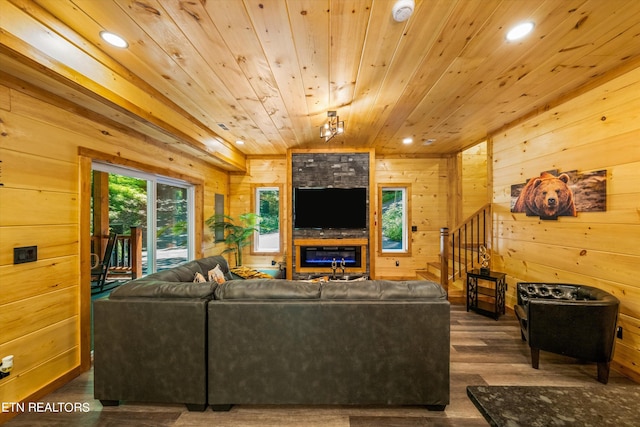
<point>25,254</point>
<point>619,332</point>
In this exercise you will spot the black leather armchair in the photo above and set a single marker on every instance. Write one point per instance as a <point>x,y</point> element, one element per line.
<point>572,320</point>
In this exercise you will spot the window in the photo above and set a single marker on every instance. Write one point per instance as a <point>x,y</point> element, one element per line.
<point>393,232</point>
<point>266,205</point>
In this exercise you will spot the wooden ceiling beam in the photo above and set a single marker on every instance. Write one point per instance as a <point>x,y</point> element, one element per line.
<point>31,35</point>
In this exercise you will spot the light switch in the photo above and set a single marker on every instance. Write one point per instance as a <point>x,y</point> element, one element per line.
<point>25,254</point>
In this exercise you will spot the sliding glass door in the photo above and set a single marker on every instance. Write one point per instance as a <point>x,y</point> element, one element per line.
<point>172,225</point>
<point>162,207</point>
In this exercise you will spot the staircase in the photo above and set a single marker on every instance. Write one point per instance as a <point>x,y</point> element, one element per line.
<point>459,253</point>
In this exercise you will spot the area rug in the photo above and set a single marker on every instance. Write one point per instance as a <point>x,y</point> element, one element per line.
<point>533,406</point>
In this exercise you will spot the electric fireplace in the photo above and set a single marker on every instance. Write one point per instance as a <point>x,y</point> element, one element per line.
<point>324,256</point>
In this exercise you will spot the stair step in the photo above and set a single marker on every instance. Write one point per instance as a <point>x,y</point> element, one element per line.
<point>455,289</point>
<point>428,275</point>
<point>434,269</point>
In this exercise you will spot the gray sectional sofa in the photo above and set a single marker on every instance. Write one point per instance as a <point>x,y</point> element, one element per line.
<point>162,338</point>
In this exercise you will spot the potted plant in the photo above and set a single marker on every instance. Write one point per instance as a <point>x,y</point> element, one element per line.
<point>237,232</point>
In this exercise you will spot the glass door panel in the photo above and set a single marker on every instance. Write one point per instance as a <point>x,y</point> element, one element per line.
<point>128,208</point>
<point>161,206</point>
<point>172,225</point>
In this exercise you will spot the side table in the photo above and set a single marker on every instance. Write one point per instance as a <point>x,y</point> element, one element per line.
<point>485,292</point>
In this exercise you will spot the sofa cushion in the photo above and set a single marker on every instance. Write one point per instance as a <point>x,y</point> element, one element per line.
<point>383,290</point>
<point>181,273</point>
<point>163,276</point>
<point>142,288</point>
<point>267,289</point>
<point>211,262</point>
<point>186,272</point>
<point>176,282</point>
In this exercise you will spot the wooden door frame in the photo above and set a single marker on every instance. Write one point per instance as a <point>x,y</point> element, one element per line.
<point>86,157</point>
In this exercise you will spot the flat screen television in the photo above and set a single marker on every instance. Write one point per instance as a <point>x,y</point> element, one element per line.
<point>326,207</point>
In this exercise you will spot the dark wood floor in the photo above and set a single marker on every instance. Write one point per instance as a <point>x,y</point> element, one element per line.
<point>483,352</point>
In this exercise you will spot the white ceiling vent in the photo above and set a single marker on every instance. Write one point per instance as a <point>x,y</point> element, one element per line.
<point>402,10</point>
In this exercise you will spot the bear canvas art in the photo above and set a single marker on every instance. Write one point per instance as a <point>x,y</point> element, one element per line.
<point>551,195</point>
<point>546,196</point>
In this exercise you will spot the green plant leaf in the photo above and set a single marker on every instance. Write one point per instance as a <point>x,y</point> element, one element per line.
<point>238,232</point>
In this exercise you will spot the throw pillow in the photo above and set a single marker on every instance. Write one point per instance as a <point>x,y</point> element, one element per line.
<point>199,278</point>
<point>216,275</point>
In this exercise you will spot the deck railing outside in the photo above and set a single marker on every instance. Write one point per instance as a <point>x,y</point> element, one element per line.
<point>126,261</point>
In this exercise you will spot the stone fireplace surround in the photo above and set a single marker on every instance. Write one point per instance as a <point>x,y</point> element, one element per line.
<point>338,170</point>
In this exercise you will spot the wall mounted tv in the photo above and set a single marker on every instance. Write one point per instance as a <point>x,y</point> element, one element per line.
<point>326,207</point>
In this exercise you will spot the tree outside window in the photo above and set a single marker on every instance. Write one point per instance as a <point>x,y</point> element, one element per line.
<point>267,207</point>
<point>161,206</point>
<point>394,222</point>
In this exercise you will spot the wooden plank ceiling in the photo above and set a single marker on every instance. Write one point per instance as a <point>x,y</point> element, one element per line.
<point>267,71</point>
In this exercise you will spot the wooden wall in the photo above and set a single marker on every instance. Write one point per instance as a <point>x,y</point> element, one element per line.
<point>429,188</point>
<point>599,129</point>
<point>474,180</point>
<point>40,302</point>
<point>429,179</point>
<point>265,171</point>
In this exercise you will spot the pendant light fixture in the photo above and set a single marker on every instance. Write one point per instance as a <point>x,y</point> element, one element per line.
<point>332,127</point>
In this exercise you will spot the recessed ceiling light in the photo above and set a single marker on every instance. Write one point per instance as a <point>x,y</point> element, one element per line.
<point>407,140</point>
<point>519,31</point>
<point>240,142</point>
<point>113,39</point>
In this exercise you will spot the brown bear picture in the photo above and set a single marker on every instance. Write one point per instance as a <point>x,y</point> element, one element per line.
<point>547,196</point>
